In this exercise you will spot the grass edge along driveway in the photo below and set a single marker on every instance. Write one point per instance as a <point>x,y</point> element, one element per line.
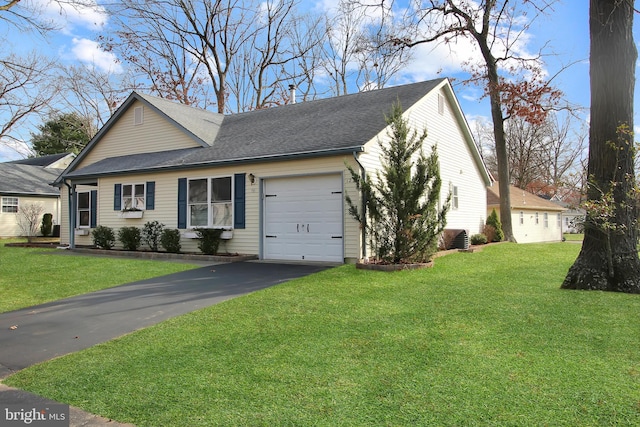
<point>483,338</point>
<point>32,276</point>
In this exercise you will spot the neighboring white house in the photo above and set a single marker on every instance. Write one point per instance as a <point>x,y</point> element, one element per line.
<point>572,218</point>
<point>533,218</point>
<point>276,178</point>
<point>26,182</point>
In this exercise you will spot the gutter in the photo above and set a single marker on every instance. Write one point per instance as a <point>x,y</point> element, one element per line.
<point>364,207</point>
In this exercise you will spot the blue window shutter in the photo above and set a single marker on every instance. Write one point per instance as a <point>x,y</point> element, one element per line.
<point>182,203</point>
<point>239,200</point>
<point>151,196</point>
<point>93,215</point>
<point>117,197</point>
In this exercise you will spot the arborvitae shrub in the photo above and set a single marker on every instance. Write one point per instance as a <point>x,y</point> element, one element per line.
<point>47,224</point>
<point>494,221</point>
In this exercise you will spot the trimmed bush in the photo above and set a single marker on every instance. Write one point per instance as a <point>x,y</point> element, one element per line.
<point>47,224</point>
<point>151,233</point>
<point>478,239</point>
<point>103,237</point>
<point>130,237</point>
<point>494,221</point>
<point>208,240</point>
<point>170,240</point>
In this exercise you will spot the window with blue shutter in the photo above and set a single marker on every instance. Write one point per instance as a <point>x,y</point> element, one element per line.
<point>94,209</point>
<point>239,200</point>
<point>182,203</point>
<point>117,197</point>
<point>150,196</point>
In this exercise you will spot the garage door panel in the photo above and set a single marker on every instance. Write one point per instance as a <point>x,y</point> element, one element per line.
<point>303,218</point>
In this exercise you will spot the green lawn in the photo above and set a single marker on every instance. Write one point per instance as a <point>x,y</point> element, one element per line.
<point>30,276</point>
<point>576,237</point>
<point>483,338</point>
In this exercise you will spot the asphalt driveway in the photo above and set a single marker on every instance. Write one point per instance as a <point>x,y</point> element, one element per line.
<point>40,333</point>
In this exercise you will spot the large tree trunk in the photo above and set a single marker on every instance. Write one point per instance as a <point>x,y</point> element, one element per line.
<point>609,258</point>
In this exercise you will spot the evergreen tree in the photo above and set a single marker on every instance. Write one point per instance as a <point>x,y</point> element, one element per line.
<point>65,133</point>
<point>401,213</point>
<point>494,221</point>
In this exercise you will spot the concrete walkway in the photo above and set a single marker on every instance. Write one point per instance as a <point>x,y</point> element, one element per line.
<point>40,333</point>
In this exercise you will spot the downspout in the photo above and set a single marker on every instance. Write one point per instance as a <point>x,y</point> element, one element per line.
<point>364,207</point>
<point>72,216</point>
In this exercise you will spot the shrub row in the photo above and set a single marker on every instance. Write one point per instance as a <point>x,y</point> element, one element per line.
<point>153,234</point>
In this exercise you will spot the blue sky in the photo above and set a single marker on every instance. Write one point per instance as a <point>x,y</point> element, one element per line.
<point>565,30</point>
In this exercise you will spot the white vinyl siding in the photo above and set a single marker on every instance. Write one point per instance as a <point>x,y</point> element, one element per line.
<point>528,231</point>
<point>125,138</point>
<point>244,241</point>
<point>455,154</point>
<point>9,220</point>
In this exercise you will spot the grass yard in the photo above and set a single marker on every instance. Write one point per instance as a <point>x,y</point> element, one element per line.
<point>30,276</point>
<point>481,339</point>
<point>573,237</point>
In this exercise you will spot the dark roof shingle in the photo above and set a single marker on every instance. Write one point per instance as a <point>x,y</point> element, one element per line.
<point>339,124</point>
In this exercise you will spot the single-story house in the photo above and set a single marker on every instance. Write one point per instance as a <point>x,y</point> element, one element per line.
<point>572,217</point>
<point>533,218</point>
<point>28,181</point>
<point>275,179</point>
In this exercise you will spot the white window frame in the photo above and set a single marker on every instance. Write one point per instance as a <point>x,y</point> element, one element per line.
<point>212,205</point>
<point>545,216</point>
<point>559,221</point>
<point>137,203</point>
<point>537,219</point>
<point>80,210</point>
<point>10,203</point>
<point>455,199</point>
<point>521,218</point>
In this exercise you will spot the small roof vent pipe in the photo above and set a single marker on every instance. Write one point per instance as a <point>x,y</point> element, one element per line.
<point>292,97</point>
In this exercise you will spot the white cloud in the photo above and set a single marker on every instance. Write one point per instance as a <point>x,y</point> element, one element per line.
<point>89,52</point>
<point>87,15</point>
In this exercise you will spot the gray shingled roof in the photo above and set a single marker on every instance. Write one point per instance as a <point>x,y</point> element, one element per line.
<point>41,160</point>
<point>201,123</point>
<point>333,125</point>
<point>19,179</point>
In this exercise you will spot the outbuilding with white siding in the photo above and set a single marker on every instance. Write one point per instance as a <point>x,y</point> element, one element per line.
<point>274,179</point>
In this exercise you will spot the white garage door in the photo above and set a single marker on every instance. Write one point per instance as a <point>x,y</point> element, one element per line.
<point>303,218</point>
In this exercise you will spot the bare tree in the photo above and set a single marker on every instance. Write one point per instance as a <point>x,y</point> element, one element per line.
<point>29,218</point>
<point>343,41</point>
<point>609,256</point>
<point>514,81</point>
<point>266,62</point>
<point>185,47</point>
<point>26,87</point>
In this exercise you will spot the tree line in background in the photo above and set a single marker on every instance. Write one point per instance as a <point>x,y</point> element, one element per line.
<point>239,55</point>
